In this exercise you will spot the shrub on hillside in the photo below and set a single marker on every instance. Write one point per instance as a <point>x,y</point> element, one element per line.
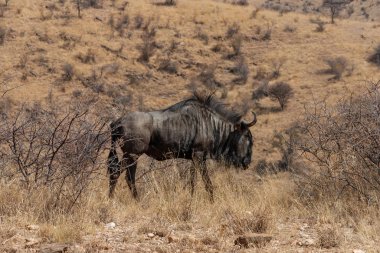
<point>342,144</point>
<point>320,24</point>
<point>58,147</point>
<point>375,56</point>
<point>337,66</point>
<point>148,45</point>
<point>68,72</point>
<point>241,70</point>
<point>3,33</point>
<point>232,30</point>
<point>281,92</point>
<point>241,2</point>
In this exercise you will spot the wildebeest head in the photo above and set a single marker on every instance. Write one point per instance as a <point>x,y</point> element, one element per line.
<point>240,150</point>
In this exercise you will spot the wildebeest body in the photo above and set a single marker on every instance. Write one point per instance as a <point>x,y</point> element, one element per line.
<point>197,128</point>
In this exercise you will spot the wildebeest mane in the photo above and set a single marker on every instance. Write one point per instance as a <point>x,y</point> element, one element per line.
<point>209,101</point>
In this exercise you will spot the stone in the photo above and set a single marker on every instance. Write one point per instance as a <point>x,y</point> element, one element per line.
<point>33,227</point>
<point>150,235</point>
<point>54,248</point>
<point>358,251</point>
<point>306,242</point>
<point>110,225</point>
<point>31,242</point>
<point>253,240</point>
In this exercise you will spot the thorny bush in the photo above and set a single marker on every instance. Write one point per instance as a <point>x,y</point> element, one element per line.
<point>52,147</point>
<point>343,145</point>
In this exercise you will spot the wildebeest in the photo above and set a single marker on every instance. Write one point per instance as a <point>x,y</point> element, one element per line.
<point>197,128</point>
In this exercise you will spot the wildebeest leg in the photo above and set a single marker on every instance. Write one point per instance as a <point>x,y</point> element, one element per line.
<point>200,161</point>
<point>114,171</point>
<point>130,176</point>
<point>207,181</point>
<point>192,179</point>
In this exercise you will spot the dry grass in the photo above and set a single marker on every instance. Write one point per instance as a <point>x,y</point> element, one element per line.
<point>123,52</point>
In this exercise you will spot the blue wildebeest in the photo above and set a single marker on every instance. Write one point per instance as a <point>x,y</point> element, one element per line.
<point>197,128</point>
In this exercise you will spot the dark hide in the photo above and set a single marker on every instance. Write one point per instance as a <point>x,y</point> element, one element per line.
<point>197,128</point>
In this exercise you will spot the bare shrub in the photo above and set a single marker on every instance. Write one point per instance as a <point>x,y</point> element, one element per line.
<point>217,47</point>
<point>68,72</point>
<point>232,30</point>
<point>254,13</point>
<point>342,144</point>
<point>320,24</point>
<point>3,34</point>
<point>139,21</point>
<point>168,66</point>
<point>277,65</point>
<point>236,44</point>
<point>241,2</point>
<point>2,11</point>
<point>170,2</point>
<point>148,46</point>
<point>375,56</point>
<point>241,70</point>
<point>261,91</point>
<point>54,148</point>
<point>95,82</point>
<point>262,74</point>
<point>266,34</point>
<point>122,24</point>
<point>207,77</point>
<point>167,3</point>
<point>243,223</point>
<point>201,35</point>
<point>87,58</point>
<point>290,29</point>
<point>328,238</point>
<point>337,66</point>
<point>92,3</point>
<point>281,92</point>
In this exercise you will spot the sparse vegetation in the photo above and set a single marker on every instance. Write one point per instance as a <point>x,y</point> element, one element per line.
<point>241,70</point>
<point>337,66</point>
<point>232,30</point>
<point>236,45</point>
<point>335,7</point>
<point>290,29</point>
<point>281,92</point>
<point>201,35</point>
<point>241,2</point>
<point>68,72</point>
<point>374,57</point>
<point>148,45</point>
<point>343,142</point>
<point>320,24</point>
<point>277,64</point>
<point>3,33</point>
<point>312,184</point>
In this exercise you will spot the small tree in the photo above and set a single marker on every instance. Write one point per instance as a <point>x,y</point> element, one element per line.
<point>281,92</point>
<point>335,7</point>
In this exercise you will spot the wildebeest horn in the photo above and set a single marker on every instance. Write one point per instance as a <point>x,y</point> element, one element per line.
<point>249,124</point>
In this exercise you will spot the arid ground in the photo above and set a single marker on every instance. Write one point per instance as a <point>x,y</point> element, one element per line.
<point>65,74</point>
